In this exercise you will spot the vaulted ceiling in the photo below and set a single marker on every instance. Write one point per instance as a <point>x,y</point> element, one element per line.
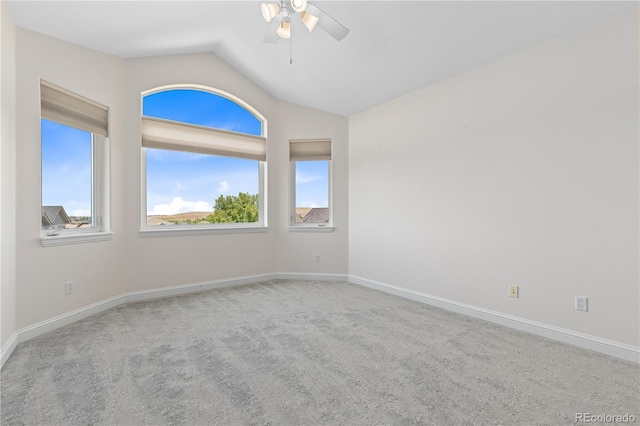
<point>394,47</point>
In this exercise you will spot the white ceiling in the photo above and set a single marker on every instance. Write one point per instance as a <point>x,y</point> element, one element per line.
<point>394,46</point>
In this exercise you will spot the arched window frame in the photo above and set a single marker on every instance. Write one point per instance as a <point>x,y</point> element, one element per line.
<point>180,230</point>
<point>213,91</point>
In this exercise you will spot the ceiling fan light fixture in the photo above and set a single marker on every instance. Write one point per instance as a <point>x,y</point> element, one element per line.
<point>284,30</point>
<point>269,11</point>
<point>299,5</point>
<point>309,20</point>
<point>310,15</point>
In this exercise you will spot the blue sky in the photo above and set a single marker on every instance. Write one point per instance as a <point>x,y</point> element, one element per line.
<point>312,186</point>
<point>177,182</point>
<point>66,168</point>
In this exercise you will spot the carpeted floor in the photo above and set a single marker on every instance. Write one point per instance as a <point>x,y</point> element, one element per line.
<point>300,352</point>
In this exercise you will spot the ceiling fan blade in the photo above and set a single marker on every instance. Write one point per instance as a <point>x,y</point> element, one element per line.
<point>272,36</point>
<point>334,28</point>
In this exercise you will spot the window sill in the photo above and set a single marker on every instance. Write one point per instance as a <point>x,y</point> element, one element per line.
<point>183,231</point>
<point>310,228</point>
<point>80,238</point>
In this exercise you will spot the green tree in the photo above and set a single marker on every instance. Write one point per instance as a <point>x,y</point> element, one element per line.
<point>235,209</point>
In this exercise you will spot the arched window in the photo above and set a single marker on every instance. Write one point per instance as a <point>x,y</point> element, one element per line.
<point>204,153</point>
<point>203,108</point>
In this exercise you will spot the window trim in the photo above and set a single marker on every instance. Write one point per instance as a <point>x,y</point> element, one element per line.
<point>100,173</point>
<point>309,227</point>
<point>76,238</point>
<point>197,230</point>
<point>261,226</point>
<point>100,197</point>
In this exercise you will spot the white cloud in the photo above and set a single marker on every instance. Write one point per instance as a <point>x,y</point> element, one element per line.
<point>178,205</point>
<point>311,204</point>
<point>180,187</point>
<point>223,187</point>
<point>81,212</point>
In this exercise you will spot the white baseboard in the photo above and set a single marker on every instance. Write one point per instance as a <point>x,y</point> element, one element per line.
<point>7,349</point>
<point>138,296</point>
<point>608,347</point>
<point>312,277</point>
<point>597,344</point>
<point>51,324</point>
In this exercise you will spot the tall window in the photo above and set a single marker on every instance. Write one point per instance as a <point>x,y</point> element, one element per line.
<point>310,183</point>
<point>204,154</point>
<point>74,150</point>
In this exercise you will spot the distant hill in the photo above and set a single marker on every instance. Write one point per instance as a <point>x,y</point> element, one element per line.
<point>170,219</point>
<point>303,214</point>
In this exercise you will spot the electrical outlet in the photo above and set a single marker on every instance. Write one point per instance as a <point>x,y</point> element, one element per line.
<point>514,291</point>
<point>581,303</point>
<point>316,258</point>
<point>68,287</point>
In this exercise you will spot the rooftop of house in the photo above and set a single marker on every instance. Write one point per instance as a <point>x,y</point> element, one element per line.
<point>312,215</point>
<point>55,215</point>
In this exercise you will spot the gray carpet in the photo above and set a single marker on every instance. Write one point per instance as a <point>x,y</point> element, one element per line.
<point>300,352</point>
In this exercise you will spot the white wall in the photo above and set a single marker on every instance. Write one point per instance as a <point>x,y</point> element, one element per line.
<point>183,260</point>
<point>129,262</point>
<point>523,171</point>
<point>296,250</point>
<point>7,178</point>
<point>95,268</point>
<point>159,262</point>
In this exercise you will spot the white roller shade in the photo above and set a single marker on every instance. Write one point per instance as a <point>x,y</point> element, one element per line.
<point>176,136</point>
<point>67,108</point>
<point>310,149</point>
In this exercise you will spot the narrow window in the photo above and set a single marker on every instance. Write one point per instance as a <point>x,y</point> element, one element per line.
<point>204,155</point>
<point>310,183</point>
<point>74,151</point>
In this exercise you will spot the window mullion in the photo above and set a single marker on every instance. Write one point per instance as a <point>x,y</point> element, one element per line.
<point>95,204</point>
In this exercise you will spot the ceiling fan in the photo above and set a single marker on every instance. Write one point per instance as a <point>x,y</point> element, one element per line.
<point>280,14</point>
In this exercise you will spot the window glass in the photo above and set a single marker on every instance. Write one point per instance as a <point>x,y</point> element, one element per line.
<point>311,191</point>
<point>190,188</point>
<point>67,159</point>
<point>201,108</point>
<point>184,188</point>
